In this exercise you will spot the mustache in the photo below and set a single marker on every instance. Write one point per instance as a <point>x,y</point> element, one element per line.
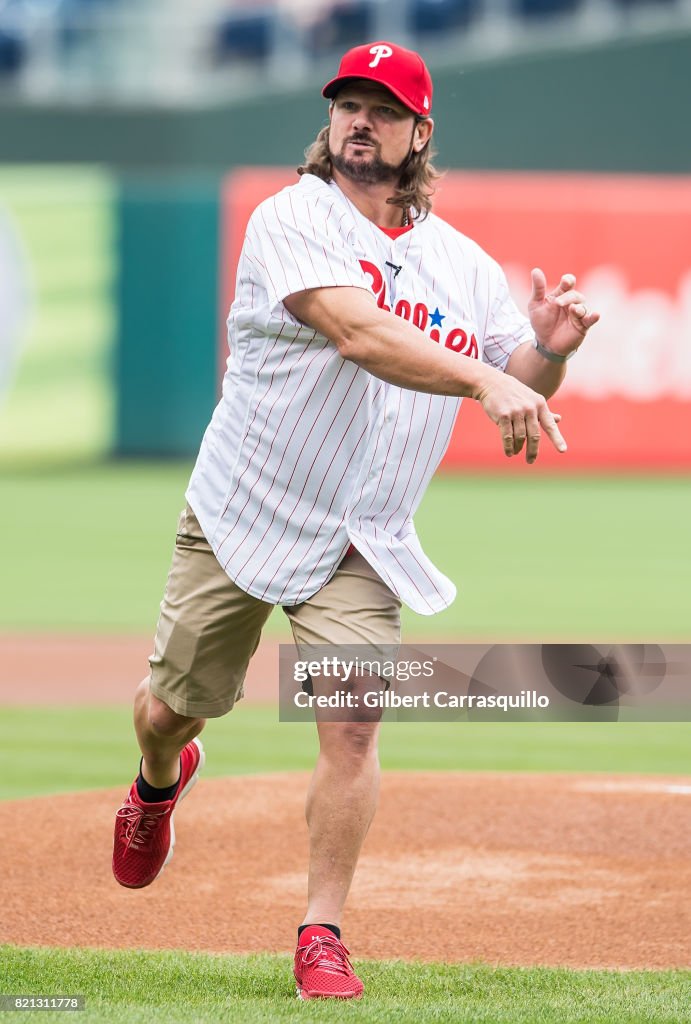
<point>362,138</point>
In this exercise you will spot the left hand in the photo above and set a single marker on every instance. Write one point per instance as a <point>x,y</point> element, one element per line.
<point>561,319</point>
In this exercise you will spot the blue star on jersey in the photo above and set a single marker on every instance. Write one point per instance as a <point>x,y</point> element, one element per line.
<point>436,318</point>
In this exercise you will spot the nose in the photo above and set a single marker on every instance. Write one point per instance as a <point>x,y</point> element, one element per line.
<point>361,122</point>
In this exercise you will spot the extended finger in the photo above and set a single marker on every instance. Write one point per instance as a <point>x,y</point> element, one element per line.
<point>539,285</point>
<point>566,298</point>
<point>566,284</point>
<point>506,428</point>
<point>532,426</point>
<point>549,425</point>
<point>519,432</point>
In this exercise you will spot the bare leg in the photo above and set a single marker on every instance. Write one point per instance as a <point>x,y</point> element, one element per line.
<point>161,734</point>
<point>341,802</point>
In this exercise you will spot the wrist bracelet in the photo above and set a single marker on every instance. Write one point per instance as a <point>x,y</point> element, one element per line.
<point>553,357</point>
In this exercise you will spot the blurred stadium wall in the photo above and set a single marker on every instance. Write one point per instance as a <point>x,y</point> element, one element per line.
<point>148,184</point>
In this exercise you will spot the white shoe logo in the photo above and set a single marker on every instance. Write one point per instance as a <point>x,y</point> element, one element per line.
<point>379,53</point>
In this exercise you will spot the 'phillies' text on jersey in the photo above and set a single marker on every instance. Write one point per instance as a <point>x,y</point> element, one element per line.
<point>458,339</point>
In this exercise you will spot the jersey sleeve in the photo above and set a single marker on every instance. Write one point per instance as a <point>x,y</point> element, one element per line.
<point>298,240</point>
<point>507,327</point>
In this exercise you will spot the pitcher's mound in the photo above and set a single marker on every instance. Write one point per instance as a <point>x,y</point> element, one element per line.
<point>585,871</point>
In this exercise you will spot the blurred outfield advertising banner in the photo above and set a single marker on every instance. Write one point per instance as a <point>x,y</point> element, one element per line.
<point>57,317</point>
<point>15,297</point>
<point>627,398</point>
<point>486,682</point>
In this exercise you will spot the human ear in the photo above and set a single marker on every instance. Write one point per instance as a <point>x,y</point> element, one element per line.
<point>423,133</point>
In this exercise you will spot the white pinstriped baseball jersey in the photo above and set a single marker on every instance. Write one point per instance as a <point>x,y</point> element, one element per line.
<point>307,452</point>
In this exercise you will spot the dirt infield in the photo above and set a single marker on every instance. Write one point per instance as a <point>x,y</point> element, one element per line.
<point>64,669</point>
<point>508,869</point>
<point>582,871</point>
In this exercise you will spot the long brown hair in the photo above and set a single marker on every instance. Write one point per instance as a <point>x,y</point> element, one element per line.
<point>416,185</point>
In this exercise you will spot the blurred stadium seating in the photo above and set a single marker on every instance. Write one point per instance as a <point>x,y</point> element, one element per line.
<point>343,25</point>
<point>12,52</point>
<point>428,17</point>
<point>244,36</point>
<point>545,8</point>
<point>14,45</point>
<point>167,50</point>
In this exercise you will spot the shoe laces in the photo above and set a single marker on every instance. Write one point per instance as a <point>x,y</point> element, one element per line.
<point>139,825</point>
<point>327,953</point>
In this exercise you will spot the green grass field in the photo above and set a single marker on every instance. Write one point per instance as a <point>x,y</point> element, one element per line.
<point>177,988</point>
<point>51,750</point>
<point>88,548</point>
<point>62,750</point>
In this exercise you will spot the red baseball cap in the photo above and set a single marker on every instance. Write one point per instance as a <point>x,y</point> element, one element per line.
<point>403,72</point>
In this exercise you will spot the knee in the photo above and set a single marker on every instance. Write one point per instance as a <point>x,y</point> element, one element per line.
<point>164,721</point>
<point>351,741</point>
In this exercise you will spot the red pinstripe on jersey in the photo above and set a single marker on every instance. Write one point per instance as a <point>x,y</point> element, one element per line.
<point>260,542</point>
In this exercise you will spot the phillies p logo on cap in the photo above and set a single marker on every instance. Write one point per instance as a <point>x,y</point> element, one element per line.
<point>379,51</point>
<point>403,72</point>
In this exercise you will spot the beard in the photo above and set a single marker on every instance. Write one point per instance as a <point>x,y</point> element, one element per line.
<point>372,171</point>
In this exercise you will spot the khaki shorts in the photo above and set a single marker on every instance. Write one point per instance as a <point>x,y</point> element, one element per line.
<point>209,628</point>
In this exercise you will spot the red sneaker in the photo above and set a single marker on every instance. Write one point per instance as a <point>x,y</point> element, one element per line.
<point>144,833</point>
<point>322,968</point>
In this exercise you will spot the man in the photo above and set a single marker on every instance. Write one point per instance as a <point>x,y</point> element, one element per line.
<point>359,323</point>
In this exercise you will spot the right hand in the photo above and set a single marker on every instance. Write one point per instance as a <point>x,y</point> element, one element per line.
<point>521,414</point>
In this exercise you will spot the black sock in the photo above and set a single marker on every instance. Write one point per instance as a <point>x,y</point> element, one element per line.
<point>332,928</point>
<point>150,794</point>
